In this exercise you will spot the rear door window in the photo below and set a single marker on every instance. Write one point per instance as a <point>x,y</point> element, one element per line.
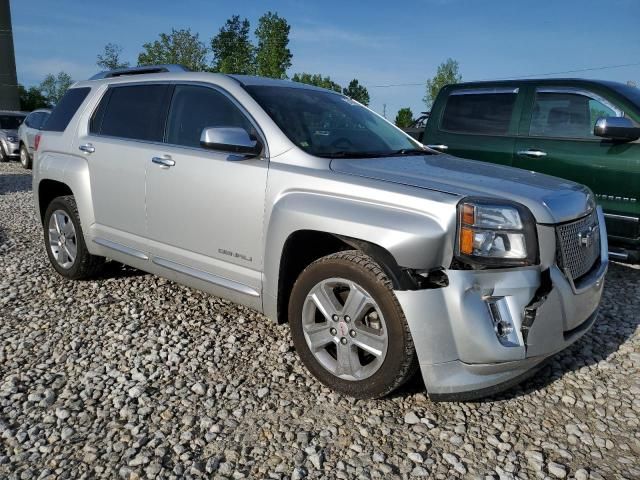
<point>65,109</point>
<point>135,112</point>
<point>479,113</point>
<point>566,115</point>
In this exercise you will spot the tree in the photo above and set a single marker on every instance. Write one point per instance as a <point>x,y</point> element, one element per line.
<point>31,99</point>
<point>318,80</point>
<point>232,49</point>
<point>273,58</point>
<point>54,87</point>
<point>180,47</point>
<point>357,92</point>
<point>448,72</point>
<point>110,58</point>
<point>404,118</point>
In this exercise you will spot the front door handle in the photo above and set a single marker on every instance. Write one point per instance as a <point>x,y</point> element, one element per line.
<point>87,148</point>
<point>532,153</point>
<point>439,146</point>
<point>163,161</point>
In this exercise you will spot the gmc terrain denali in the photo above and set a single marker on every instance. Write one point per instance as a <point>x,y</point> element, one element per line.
<point>382,256</point>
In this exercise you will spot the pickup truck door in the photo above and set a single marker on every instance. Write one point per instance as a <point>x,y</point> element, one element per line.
<point>205,208</point>
<point>475,123</point>
<point>558,140</point>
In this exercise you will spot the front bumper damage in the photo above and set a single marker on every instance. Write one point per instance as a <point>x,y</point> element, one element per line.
<point>490,329</point>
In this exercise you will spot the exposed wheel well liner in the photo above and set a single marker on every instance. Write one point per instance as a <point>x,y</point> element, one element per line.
<point>306,246</point>
<point>47,191</point>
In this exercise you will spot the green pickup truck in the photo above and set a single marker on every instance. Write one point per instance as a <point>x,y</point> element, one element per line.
<point>583,130</point>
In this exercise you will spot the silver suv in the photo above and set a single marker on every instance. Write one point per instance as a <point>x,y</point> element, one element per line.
<point>10,121</point>
<point>384,257</point>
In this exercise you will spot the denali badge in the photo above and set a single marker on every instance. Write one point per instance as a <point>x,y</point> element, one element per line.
<point>587,236</point>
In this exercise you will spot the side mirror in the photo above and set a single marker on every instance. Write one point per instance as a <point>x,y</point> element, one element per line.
<point>616,128</point>
<point>230,139</point>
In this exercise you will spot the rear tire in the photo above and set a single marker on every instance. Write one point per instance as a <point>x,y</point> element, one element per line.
<point>64,241</point>
<point>367,354</point>
<point>25,158</point>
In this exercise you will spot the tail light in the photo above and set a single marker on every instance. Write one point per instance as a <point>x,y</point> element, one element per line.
<point>36,142</point>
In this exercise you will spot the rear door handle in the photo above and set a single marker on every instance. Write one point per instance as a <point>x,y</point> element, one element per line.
<point>163,161</point>
<point>532,153</point>
<point>87,148</point>
<point>439,146</point>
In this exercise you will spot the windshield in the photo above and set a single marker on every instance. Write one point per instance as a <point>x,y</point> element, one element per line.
<point>326,124</point>
<point>631,93</point>
<point>10,122</point>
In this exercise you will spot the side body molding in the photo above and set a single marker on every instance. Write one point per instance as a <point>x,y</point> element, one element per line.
<point>414,238</point>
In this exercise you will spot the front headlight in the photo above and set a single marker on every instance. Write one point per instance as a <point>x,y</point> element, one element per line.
<point>495,233</point>
<point>12,139</point>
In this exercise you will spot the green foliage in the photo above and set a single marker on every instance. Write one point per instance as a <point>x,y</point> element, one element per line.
<point>273,57</point>
<point>110,58</point>
<point>179,47</point>
<point>448,72</point>
<point>54,87</point>
<point>318,80</point>
<point>232,49</point>
<point>404,118</point>
<point>31,99</point>
<point>357,92</point>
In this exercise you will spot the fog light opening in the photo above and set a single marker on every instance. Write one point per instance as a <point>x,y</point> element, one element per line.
<point>502,323</point>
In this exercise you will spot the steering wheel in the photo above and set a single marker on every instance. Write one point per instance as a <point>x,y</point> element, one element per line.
<point>342,143</point>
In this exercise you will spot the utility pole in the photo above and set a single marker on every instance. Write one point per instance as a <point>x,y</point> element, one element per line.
<point>9,96</point>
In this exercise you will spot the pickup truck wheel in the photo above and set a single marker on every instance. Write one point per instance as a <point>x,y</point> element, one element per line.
<point>25,158</point>
<point>348,327</point>
<point>64,241</point>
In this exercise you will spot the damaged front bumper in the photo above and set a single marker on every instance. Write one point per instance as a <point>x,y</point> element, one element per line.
<point>489,329</point>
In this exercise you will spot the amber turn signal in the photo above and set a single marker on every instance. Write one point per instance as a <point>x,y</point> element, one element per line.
<point>466,241</point>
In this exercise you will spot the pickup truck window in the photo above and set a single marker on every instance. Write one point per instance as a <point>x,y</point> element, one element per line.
<point>566,115</point>
<point>10,122</point>
<point>328,124</point>
<point>137,112</point>
<point>481,113</point>
<point>195,108</point>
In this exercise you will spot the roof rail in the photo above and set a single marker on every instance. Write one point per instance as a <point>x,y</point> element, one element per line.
<point>119,72</point>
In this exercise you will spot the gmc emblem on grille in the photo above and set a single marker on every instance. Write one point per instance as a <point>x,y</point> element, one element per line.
<point>587,236</point>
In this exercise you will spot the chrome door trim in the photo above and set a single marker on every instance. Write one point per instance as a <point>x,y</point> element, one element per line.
<point>622,217</point>
<point>583,92</point>
<point>120,248</point>
<point>483,91</point>
<point>205,276</point>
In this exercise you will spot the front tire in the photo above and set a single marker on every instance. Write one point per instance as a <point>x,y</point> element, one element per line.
<point>348,327</point>
<point>3,155</point>
<point>25,158</point>
<point>64,241</point>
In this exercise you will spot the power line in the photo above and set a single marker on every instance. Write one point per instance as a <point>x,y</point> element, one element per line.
<point>548,74</point>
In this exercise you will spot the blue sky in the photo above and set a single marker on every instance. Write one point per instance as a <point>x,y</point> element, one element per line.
<point>378,42</point>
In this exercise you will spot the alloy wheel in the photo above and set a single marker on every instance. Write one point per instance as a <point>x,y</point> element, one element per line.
<point>62,239</point>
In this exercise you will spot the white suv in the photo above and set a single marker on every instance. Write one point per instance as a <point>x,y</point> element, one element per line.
<point>27,132</point>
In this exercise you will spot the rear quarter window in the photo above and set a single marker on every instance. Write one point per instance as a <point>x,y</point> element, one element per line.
<point>136,112</point>
<point>482,113</point>
<point>65,109</point>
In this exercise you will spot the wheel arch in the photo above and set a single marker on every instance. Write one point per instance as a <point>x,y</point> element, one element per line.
<point>304,227</point>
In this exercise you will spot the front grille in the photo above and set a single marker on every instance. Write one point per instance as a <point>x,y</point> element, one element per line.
<point>579,245</point>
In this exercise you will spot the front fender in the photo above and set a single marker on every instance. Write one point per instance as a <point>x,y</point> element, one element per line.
<point>415,239</point>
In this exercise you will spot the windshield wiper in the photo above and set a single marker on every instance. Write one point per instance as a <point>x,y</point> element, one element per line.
<point>350,154</point>
<point>410,151</point>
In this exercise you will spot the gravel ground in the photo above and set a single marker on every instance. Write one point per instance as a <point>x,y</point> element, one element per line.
<point>132,376</point>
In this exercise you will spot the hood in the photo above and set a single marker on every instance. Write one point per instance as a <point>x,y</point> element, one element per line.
<point>550,199</point>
